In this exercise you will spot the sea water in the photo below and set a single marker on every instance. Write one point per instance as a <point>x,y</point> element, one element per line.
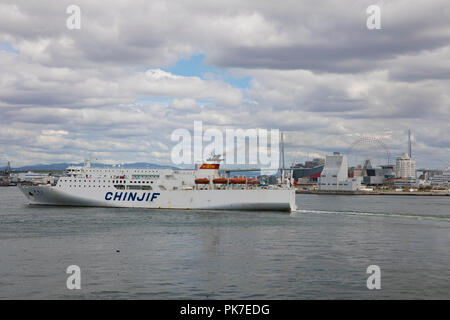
<point>320,251</point>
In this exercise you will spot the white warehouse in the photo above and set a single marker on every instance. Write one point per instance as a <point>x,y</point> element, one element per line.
<point>335,175</point>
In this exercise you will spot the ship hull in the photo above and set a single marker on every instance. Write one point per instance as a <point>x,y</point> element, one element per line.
<point>244,199</point>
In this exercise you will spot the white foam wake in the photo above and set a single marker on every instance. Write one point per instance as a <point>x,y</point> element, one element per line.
<point>380,214</point>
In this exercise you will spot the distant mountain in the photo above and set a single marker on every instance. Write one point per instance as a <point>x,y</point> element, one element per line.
<point>63,166</point>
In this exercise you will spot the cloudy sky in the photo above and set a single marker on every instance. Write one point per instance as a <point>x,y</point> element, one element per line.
<point>137,70</point>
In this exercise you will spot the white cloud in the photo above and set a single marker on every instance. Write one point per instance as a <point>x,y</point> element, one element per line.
<point>26,83</point>
<point>315,70</point>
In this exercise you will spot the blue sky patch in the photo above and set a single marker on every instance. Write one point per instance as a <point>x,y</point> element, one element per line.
<point>195,66</point>
<point>5,46</point>
<point>154,100</point>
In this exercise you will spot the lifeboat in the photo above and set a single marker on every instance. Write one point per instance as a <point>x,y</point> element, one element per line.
<point>238,180</point>
<point>220,180</point>
<point>202,181</point>
<point>252,181</point>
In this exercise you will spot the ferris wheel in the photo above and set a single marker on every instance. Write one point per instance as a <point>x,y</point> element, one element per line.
<point>369,147</point>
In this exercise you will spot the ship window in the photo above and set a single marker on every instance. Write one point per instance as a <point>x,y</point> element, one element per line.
<point>133,187</point>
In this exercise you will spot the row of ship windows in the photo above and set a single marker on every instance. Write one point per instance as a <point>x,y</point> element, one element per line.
<point>65,180</point>
<point>123,181</point>
<point>88,186</point>
<point>334,184</point>
<point>109,170</point>
<point>114,181</point>
<point>136,176</point>
<point>120,187</point>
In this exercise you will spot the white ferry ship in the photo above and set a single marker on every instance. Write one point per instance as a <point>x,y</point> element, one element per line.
<point>202,188</point>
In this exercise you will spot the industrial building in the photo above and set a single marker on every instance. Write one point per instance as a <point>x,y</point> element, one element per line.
<point>441,179</point>
<point>335,175</point>
<point>377,176</point>
<point>405,182</point>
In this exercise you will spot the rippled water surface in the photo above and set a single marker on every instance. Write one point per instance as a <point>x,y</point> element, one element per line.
<point>320,251</point>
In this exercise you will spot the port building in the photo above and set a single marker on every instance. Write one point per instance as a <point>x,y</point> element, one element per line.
<point>441,179</point>
<point>335,175</point>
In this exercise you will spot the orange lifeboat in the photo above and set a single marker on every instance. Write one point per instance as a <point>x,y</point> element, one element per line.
<point>252,181</point>
<point>220,180</point>
<point>202,181</point>
<point>238,180</point>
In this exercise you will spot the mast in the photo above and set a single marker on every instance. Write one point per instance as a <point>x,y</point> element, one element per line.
<point>282,157</point>
<point>409,143</point>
